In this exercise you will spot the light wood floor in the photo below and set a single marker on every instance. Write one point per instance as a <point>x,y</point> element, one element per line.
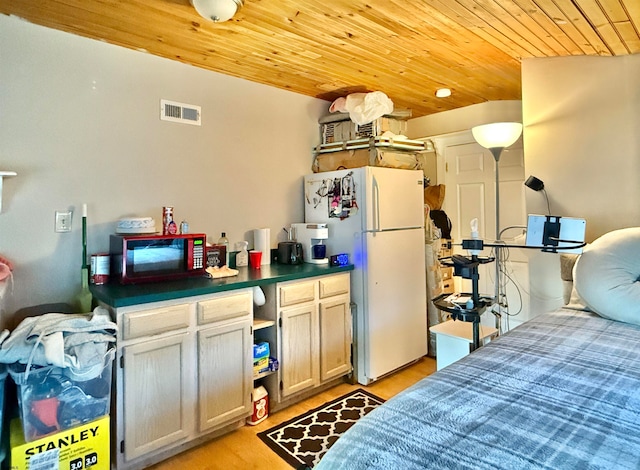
<point>242,449</point>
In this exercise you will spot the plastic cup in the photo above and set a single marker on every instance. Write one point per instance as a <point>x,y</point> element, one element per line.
<point>255,258</point>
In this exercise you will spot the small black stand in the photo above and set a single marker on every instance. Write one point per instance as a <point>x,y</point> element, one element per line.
<point>470,311</point>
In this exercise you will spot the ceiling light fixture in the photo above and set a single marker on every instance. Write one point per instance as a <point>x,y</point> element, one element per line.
<point>217,10</point>
<point>443,93</point>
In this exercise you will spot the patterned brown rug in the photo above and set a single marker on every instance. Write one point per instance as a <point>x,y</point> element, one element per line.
<point>304,439</point>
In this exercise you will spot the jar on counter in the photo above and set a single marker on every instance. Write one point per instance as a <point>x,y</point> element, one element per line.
<point>169,226</point>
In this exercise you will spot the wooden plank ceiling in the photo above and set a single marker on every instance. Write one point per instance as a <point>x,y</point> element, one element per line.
<point>329,48</point>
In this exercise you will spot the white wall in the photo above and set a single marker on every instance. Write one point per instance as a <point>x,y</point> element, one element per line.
<point>79,122</point>
<point>581,118</point>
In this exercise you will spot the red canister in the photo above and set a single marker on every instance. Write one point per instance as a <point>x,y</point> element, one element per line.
<point>100,268</point>
<point>169,226</point>
<point>260,399</point>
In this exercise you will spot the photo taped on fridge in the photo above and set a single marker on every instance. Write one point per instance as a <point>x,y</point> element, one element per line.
<point>322,192</point>
<point>342,197</point>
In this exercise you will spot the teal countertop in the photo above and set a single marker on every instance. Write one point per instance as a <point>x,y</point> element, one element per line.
<point>117,295</point>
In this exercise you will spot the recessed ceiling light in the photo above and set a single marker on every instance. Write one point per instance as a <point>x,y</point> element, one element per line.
<point>443,92</point>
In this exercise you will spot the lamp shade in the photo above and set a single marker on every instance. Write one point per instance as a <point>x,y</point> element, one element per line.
<point>217,10</point>
<point>497,135</point>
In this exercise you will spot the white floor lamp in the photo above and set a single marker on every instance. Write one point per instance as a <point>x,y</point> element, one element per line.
<point>496,137</point>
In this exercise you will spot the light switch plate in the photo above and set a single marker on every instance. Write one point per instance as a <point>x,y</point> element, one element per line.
<point>63,221</point>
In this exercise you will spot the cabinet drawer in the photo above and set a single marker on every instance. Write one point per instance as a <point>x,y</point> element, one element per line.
<point>297,293</point>
<point>334,285</point>
<point>224,308</point>
<point>155,321</point>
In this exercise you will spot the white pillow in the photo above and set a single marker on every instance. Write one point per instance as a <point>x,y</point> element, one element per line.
<point>607,275</point>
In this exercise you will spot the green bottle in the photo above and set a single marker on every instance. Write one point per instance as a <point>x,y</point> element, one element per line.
<point>84,297</point>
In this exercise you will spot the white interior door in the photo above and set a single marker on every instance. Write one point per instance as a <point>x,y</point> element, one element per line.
<point>469,177</point>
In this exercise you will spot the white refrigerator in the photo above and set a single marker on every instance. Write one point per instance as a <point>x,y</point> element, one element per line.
<point>376,216</point>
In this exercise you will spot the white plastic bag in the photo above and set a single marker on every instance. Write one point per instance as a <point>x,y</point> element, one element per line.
<point>364,108</point>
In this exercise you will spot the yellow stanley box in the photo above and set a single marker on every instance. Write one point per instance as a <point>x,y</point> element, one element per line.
<point>79,448</point>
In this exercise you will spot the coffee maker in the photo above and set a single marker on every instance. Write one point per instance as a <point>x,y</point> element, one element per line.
<point>312,237</point>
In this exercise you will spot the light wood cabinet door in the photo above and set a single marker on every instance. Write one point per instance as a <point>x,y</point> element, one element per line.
<point>335,337</point>
<point>299,346</point>
<point>155,377</point>
<point>225,370</point>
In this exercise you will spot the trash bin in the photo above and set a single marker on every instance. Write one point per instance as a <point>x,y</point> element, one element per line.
<point>61,364</point>
<point>53,399</point>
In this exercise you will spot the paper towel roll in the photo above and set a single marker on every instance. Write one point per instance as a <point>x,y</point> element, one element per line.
<point>262,242</point>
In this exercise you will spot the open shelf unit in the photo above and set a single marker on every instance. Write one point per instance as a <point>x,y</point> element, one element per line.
<point>264,329</point>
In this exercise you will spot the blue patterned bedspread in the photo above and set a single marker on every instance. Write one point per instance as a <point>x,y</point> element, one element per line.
<point>561,391</point>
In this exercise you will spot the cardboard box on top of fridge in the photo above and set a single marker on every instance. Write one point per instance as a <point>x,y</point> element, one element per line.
<point>365,157</point>
<point>84,447</point>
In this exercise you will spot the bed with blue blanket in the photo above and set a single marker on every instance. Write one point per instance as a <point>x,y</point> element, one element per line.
<point>561,391</point>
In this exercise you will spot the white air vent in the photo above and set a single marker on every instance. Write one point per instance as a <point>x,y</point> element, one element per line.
<point>180,112</point>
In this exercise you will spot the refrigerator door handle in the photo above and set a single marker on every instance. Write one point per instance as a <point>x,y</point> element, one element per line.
<point>375,197</point>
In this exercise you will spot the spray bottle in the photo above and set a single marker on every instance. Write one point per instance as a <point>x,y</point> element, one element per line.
<point>474,234</point>
<point>242,258</point>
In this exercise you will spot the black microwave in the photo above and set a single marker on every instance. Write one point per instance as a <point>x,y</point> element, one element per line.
<point>151,258</point>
